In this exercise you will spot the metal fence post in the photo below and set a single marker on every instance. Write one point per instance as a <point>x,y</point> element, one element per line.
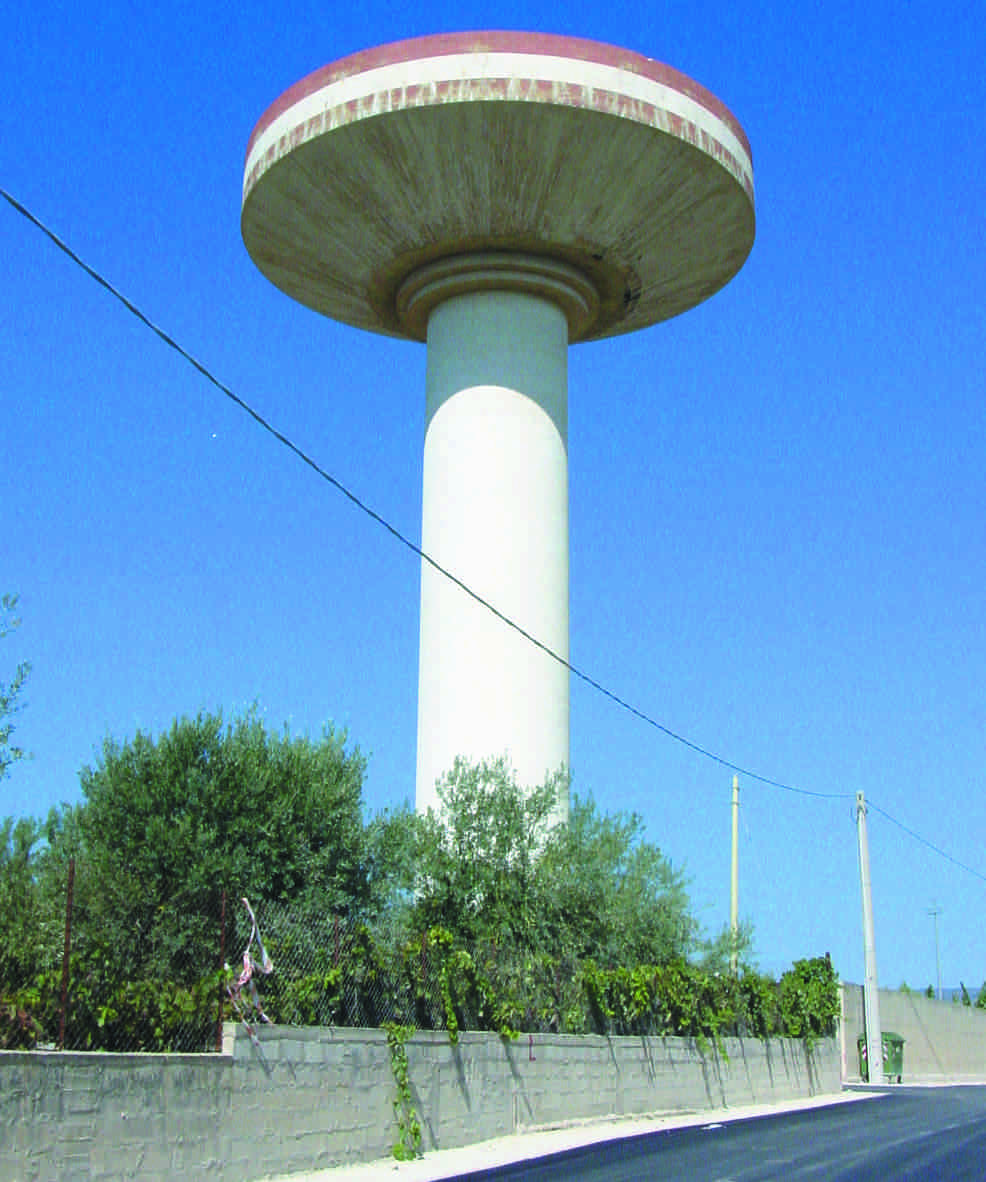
<point>222,969</point>
<point>69,892</point>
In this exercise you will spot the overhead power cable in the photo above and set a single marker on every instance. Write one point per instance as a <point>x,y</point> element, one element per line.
<point>396,533</point>
<point>924,841</point>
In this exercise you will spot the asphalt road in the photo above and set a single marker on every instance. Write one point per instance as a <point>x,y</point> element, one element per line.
<point>914,1135</point>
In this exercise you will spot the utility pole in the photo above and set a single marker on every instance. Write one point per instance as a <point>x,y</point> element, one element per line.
<point>936,911</point>
<point>871,1002</point>
<point>734,884</point>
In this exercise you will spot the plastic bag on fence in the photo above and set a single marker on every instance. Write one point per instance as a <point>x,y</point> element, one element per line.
<point>245,981</point>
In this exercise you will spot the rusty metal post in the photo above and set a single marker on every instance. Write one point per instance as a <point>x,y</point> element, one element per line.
<point>69,893</point>
<point>222,967</point>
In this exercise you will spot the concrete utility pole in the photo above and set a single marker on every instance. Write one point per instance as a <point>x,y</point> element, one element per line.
<point>734,884</point>
<point>871,1003</point>
<point>935,911</point>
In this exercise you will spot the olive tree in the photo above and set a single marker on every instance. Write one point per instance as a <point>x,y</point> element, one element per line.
<point>491,867</point>
<point>169,822</point>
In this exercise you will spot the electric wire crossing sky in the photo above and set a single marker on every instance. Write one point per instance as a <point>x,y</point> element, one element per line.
<point>499,196</point>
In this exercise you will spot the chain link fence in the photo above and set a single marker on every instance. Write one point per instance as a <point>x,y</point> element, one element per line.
<point>327,970</point>
<point>81,983</point>
<point>82,987</point>
<point>74,981</point>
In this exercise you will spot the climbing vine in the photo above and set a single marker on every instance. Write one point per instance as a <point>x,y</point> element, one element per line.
<point>808,1000</point>
<point>509,991</point>
<point>408,1144</point>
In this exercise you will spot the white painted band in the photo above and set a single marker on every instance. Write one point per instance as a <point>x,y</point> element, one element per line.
<point>385,88</point>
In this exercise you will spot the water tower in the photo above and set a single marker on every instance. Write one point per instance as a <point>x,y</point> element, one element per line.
<point>498,196</point>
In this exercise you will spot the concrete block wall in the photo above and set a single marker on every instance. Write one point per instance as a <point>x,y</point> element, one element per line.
<point>314,1098</point>
<point>75,1117</point>
<point>942,1041</point>
<point>485,1088</point>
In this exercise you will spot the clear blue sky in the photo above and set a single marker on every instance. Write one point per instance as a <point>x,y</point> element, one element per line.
<point>777,500</point>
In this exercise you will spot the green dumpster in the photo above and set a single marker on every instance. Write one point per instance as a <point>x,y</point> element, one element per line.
<point>893,1057</point>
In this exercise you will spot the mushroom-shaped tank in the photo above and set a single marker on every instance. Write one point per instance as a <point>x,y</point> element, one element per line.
<point>499,195</point>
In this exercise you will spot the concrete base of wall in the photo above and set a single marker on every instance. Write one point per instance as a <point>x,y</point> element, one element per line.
<point>305,1099</point>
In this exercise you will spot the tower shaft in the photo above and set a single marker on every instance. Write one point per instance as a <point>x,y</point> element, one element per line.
<point>495,513</point>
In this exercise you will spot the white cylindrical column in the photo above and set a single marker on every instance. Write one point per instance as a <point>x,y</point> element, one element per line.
<point>495,513</point>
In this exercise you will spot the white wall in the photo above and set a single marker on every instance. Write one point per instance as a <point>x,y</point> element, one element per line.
<point>942,1041</point>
